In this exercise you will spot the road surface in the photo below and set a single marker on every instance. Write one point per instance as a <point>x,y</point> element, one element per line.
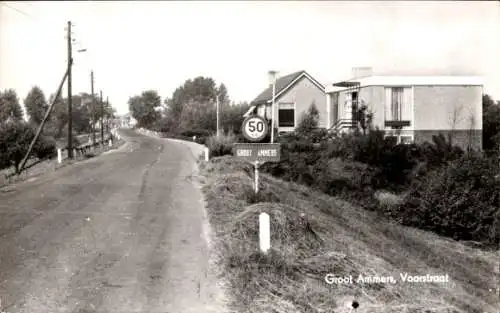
<point>123,232</point>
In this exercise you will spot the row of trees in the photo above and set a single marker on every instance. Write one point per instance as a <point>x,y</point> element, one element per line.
<point>192,107</point>
<point>36,106</point>
<point>17,132</point>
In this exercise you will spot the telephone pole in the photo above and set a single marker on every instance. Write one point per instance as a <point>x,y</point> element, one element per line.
<point>93,106</point>
<point>217,109</point>
<point>107,117</point>
<point>102,125</point>
<point>70,113</point>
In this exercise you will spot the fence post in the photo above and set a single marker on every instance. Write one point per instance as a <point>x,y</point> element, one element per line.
<point>256,176</point>
<point>59,155</point>
<point>264,232</point>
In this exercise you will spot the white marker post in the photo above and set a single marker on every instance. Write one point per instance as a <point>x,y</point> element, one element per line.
<point>59,155</point>
<point>264,232</point>
<point>110,143</point>
<point>256,167</point>
<point>206,154</point>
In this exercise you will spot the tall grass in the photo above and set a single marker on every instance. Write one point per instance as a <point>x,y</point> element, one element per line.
<point>222,144</point>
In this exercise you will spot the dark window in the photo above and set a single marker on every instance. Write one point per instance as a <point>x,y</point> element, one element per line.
<point>286,118</point>
<point>391,140</point>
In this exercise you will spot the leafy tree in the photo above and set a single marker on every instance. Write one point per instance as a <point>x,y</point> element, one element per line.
<point>58,117</point>
<point>10,109</point>
<point>232,117</point>
<point>223,95</point>
<point>491,123</point>
<point>15,139</point>
<point>144,108</point>
<point>36,105</point>
<point>364,118</point>
<point>81,113</point>
<point>197,115</point>
<point>309,121</point>
<point>200,89</point>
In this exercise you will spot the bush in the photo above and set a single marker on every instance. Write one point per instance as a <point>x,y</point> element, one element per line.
<point>15,138</point>
<point>440,152</point>
<point>459,200</point>
<point>222,145</point>
<point>45,147</point>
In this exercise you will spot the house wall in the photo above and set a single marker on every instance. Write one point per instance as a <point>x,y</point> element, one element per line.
<point>372,96</point>
<point>450,110</point>
<point>303,93</point>
<point>436,106</point>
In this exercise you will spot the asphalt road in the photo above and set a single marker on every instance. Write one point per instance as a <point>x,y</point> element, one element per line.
<point>122,232</point>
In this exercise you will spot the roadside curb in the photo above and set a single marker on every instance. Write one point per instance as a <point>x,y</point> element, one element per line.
<point>196,149</point>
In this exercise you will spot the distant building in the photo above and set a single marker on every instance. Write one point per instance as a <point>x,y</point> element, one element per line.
<point>127,121</point>
<point>411,108</point>
<point>294,94</point>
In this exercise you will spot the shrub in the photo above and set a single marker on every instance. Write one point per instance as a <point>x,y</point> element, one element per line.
<point>396,166</point>
<point>308,121</point>
<point>222,145</point>
<point>45,147</point>
<point>15,138</point>
<point>440,152</point>
<point>459,200</point>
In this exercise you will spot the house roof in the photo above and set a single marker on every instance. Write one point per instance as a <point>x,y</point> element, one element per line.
<point>392,80</point>
<point>283,84</point>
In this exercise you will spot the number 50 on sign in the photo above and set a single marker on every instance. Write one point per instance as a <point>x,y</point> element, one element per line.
<point>254,128</point>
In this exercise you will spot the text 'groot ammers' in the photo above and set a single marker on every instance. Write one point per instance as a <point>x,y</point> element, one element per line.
<point>331,279</point>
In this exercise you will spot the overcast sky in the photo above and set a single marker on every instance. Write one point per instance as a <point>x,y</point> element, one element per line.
<point>134,46</point>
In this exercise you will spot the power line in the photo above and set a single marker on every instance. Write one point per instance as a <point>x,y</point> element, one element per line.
<point>17,10</point>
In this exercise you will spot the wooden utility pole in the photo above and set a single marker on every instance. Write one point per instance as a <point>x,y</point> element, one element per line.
<point>93,107</point>
<point>217,108</point>
<point>107,116</point>
<point>70,114</point>
<point>102,116</point>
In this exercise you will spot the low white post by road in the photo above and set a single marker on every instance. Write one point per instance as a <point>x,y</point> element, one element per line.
<point>264,232</point>
<point>206,154</point>
<point>110,142</point>
<point>59,155</point>
<point>256,166</point>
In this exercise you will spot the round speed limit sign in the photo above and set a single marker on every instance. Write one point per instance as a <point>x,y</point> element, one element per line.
<point>254,128</point>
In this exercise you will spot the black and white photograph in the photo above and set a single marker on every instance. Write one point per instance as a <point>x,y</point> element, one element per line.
<point>250,156</point>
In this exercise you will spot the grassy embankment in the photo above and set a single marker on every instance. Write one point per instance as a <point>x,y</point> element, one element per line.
<point>314,234</point>
<point>36,167</point>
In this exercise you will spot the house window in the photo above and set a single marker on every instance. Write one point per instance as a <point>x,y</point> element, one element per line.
<point>393,140</point>
<point>406,140</point>
<point>398,103</point>
<point>286,115</point>
<point>399,139</point>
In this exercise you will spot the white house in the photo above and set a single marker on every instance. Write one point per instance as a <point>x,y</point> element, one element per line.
<point>410,108</point>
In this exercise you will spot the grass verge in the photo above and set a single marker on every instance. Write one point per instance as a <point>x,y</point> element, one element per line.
<point>314,235</point>
<point>37,167</point>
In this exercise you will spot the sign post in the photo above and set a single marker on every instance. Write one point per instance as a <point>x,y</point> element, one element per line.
<point>255,129</point>
<point>256,166</point>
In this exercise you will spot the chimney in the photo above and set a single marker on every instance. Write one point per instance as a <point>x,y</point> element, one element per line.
<point>362,71</point>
